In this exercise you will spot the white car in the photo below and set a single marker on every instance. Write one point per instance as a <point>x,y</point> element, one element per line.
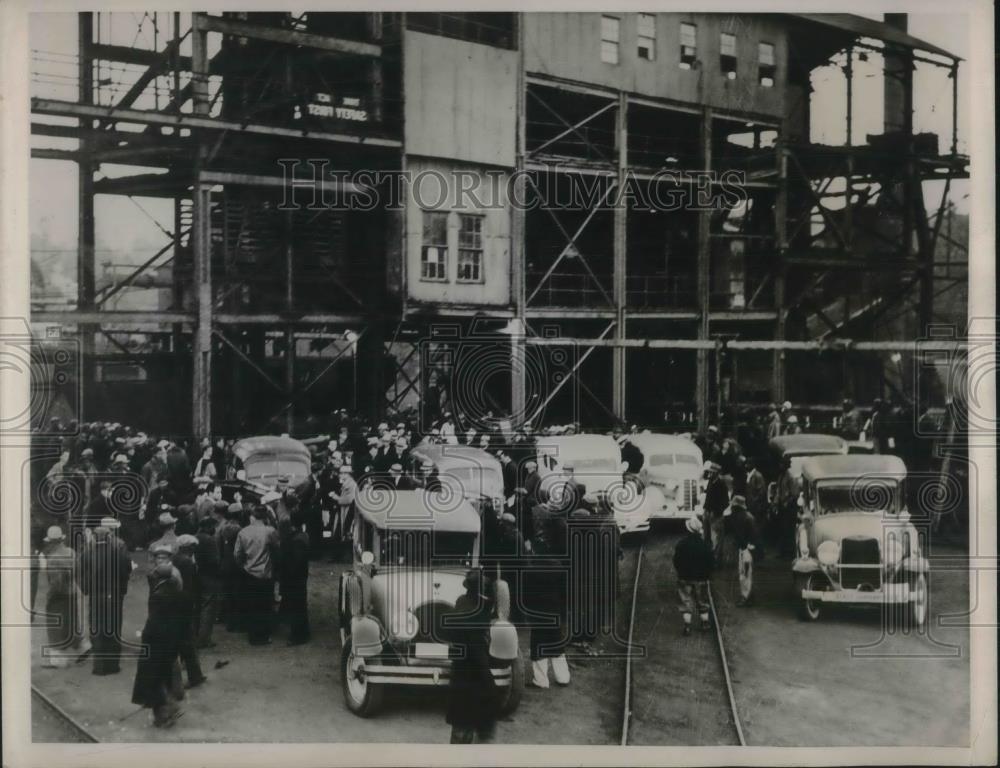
<point>597,464</point>
<point>671,473</point>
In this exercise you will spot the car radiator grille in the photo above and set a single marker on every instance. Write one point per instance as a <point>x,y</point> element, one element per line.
<point>429,616</point>
<point>860,563</point>
<point>690,489</point>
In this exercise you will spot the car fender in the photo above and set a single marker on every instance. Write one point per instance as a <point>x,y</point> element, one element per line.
<point>916,564</point>
<point>805,565</point>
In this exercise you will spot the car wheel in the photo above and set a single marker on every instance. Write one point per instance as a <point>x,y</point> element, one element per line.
<point>919,603</point>
<point>511,696</point>
<point>809,610</point>
<point>362,697</point>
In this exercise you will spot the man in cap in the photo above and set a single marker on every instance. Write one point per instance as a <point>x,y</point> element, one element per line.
<point>62,603</point>
<point>473,697</point>
<point>105,568</point>
<point>154,675</point>
<point>156,467</point>
<point>229,571</point>
<point>184,561</point>
<point>255,552</point>
<point>714,505</point>
<point>693,563</point>
<point>294,577</point>
<point>207,559</point>
<point>168,533</point>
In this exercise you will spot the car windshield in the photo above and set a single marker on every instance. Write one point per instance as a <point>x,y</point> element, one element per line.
<point>472,480</point>
<point>424,548</point>
<point>593,465</point>
<point>669,459</point>
<point>869,496</point>
<point>270,466</point>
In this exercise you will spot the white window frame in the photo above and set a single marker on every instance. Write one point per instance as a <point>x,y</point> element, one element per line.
<point>767,68</point>
<point>688,40</point>
<point>471,255</point>
<point>727,49</point>
<point>440,264</point>
<point>611,43</point>
<point>646,34</point>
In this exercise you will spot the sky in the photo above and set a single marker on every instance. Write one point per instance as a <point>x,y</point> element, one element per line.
<point>126,232</point>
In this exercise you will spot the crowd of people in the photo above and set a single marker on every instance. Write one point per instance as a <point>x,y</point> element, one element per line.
<point>115,490</point>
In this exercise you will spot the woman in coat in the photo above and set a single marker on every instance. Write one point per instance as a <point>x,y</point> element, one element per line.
<point>161,637</point>
<point>472,693</point>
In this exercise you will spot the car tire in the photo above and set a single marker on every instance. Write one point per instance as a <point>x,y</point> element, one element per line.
<point>364,699</point>
<point>808,610</point>
<point>919,605</point>
<point>511,696</point>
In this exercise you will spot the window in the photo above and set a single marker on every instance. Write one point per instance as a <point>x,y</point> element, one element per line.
<point>470,249</point>
<point>727,55</point>
<point>609,39</point>
<point>647,36</point>
<point>689,45</point>
<point>765,58</point>
<point>434,254</point>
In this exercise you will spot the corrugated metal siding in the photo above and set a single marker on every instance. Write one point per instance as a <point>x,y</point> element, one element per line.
<point>568,45</point>
<point>460,99</point>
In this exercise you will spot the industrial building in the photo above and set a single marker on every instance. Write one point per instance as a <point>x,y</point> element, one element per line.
<point>775,274</point>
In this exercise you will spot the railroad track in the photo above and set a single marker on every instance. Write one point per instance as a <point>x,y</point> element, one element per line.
<point>627,715</point>
<point>61,721</point>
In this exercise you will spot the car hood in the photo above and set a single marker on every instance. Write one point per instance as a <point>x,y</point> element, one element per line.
<point>835,527</point>
<point>675,472</point>
<point>400,589</point>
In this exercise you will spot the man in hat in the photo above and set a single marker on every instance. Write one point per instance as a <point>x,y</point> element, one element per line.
<point>294,578</point>
<point>207,558</point>
<point>546,594</point>
<point>786,507</point>
<point>105,568</point>
<point>154,675</point>
<point>756,491</point>
<point>168,533</point>
<point>473,697</point>
<point>743,532</point>
<point>255,552</point>
<point>850,420</point>
<point>229,570</point>
<point>693,563</point>
<point>714,505</point>
<point>184,561</point>
<point>428,478</point>
<point>62,602</point>
<point>792,425</point>
<point>156,467</point>
<point>397,480</point>
<point>774,426</point>
<point>345,499</point>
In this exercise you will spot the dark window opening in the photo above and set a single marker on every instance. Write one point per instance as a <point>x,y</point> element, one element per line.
<point>727,55</point>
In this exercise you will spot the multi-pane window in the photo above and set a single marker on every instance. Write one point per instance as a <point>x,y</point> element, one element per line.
<point>727,55</point>
<point>647,36</point>
<point>610,29</point>
<point>689,45</point>
<point>765,58</point>
<point>434,253</point>
<point>470,249</point>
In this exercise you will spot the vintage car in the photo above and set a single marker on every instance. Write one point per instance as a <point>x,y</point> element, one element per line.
<point>412,550</point>
<point>258,462</point>
<point>855,541</point>
<point>798,448</point>
<point>597,464</point>
<point>471,472</point>
<point>673,466</point>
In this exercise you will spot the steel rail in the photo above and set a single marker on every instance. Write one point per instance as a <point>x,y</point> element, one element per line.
<point>725,670</point>
<point>627,715</point>
<point>64,716</point>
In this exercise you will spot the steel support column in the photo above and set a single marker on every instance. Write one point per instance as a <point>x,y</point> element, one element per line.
<point>85,266</point>
<point>780,272</point>
<point>620,250</point>
<point>704,263</point>
<point>518,328</point>
<point>201,243</point>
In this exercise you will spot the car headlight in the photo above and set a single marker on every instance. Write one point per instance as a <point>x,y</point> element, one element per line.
<point>893,552</point>
<point>828,553</point>
<point>403,625</point>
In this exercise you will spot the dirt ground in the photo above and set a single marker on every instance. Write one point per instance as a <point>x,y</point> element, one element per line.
<point>796,683</point>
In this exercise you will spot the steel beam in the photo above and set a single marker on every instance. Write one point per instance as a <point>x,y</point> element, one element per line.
<point>86,231</point>
<point>518,370</point>
<point>228,26</point>
<point>109,317</point>
<point>198,120</point>
<point>201,242</point>
<point>704,288</point>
